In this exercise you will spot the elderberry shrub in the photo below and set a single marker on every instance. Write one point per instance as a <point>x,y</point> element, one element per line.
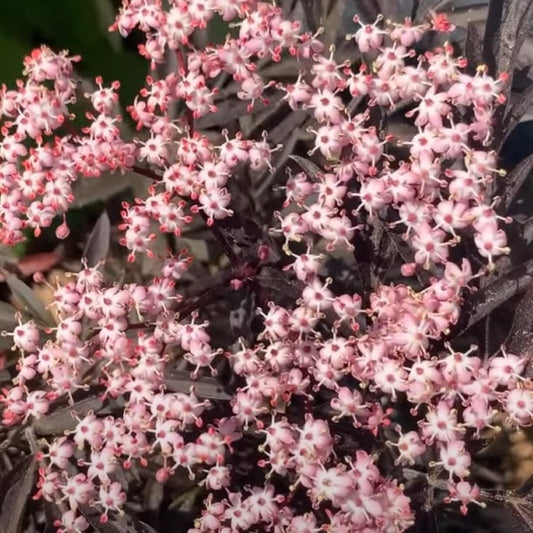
<point>344,359</point>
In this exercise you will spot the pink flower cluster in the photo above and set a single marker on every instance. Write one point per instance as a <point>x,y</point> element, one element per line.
<point>125,336</point>
<point>438,190</point>
<point>36,174</point>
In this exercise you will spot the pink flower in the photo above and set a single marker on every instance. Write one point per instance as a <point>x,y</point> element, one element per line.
<point>455,459</point>
<point>465,493</point>
<point>369,36</point>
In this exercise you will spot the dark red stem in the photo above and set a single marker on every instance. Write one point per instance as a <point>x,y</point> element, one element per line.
<point>182,69</point>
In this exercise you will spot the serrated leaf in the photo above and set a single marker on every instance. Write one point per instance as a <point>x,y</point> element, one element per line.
<point>63,419</point>
<point>29,300</point>
<point>15,491</point>
<point>310,168</point>
<point>516,510</point>
<point>516,506</point>
<point>97,246</point>
<point>520,516</point>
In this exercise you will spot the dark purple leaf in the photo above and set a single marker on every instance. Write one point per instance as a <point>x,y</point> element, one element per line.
<point>205,387</point>
<point>116,523</point>
<point>426,522</point>
<point>268,178</point>
<point>526,490</point>
<point>524,102</point>
<point>520,338</point>
<point>271,114</point>
<point>514,180</point>
<point>15,490</point>
<point>98,244</point>
<point>227,110</point>
<point>400,247</point>
<point>526,230</point>
<point>423,6</point>
<point>332,16</point>
<point>61,420</point>
<point>515,506</point>
<point>516,22</point>
<point>368,10</point>
<point>7,316</point>
<point>395,10</point>
<point>473,45</point>
<point>285,128</point>
<point>242,312</point>
<point>499,291</point>
<point>91,190</point>
<point>280,287</point>
<point>30,301</point>
<point>311,14</point>
<point>508,24</point>
<point>310,168</point>
<point>241,238</point>
<point>520,516</point>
